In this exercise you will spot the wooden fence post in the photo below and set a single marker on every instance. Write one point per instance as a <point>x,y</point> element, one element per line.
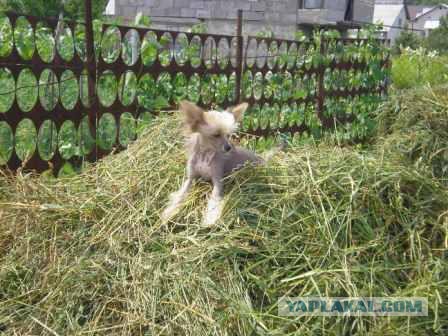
<point>321,86</point>
<point>239,56</point>
<point>91,72</point>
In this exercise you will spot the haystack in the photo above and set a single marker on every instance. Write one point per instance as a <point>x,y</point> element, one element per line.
<point>89,255</point>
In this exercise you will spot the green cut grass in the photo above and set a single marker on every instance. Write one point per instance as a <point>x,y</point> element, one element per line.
<point>89,255</point>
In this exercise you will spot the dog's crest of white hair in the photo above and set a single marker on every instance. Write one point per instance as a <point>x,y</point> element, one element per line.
<point>224,121</point>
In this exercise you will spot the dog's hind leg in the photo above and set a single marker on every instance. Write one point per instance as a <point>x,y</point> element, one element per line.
<point>176,200</point>
<point>215,204</point>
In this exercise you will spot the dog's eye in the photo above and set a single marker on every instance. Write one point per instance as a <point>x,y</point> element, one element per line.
<point>216,135</point>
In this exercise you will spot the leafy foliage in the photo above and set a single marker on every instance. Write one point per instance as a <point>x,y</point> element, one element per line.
<point>407,39</point>
<point>142,20</point>
<point>414,68</point>
<point>437,39</point>
<point>73,9</point>
<point>199,28</point>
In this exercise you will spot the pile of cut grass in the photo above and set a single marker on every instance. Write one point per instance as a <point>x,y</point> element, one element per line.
<point>89,254</point>
<point>414,126</point>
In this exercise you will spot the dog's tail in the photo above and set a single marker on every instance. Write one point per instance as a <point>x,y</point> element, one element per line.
<point>277,149</point>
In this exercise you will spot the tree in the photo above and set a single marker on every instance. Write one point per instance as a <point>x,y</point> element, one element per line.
<point>437,39</point>
<point>407,39</point>
<point>73,9</point>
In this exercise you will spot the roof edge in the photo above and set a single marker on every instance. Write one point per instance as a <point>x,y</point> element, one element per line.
<point>429,11</point>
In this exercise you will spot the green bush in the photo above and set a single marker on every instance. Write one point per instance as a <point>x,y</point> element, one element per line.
<point>407,39</point>
<point>437,38</point>
<point>418,68</point>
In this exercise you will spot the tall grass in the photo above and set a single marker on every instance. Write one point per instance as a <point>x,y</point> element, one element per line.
<point>418,68</point>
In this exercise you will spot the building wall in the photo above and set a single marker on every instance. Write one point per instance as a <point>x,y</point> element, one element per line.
<point>333,12</point>
<point>391,13</point>
<point>400,21</point>
<point>436,14</point>
<point>363,10</point>
<point>279,16</point>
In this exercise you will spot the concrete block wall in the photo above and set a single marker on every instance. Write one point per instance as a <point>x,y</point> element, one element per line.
<point>279,16</point>
<point>363,10</point>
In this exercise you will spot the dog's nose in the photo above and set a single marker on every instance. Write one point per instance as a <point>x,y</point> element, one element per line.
<point>227,148</point>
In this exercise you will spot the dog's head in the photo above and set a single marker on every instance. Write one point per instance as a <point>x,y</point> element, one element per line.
<point>215,128</point>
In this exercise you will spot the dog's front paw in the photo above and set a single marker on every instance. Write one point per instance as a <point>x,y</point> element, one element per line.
<point>213,213</point>
<point>167,214</point>
<point>210,219</point>
<point>172,207</point>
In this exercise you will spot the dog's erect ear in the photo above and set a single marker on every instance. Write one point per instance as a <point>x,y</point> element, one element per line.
<point>194,115</point>
<point>239,110</point>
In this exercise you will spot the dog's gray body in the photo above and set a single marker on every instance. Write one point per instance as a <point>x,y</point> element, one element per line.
<point>211,156</point>
<point>208,164</point>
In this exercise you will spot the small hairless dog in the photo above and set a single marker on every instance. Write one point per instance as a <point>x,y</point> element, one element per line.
<point>211,155</point>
